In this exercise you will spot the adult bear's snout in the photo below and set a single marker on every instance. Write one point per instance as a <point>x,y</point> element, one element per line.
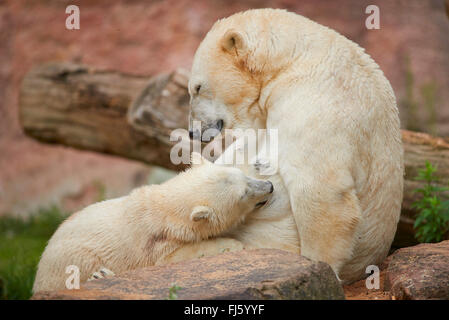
<point>271,187</point>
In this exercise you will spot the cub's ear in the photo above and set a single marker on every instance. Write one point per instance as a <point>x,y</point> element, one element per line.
<point>233,41</point>
<point>196,159</point>
<point>200,213</point>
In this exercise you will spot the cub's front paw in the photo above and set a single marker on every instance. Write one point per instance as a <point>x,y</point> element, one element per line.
<point>102,273</point>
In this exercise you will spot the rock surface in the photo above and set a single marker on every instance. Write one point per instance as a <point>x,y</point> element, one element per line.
<point>248,274</point>
<point>419,272</point>
<point>359,290</point>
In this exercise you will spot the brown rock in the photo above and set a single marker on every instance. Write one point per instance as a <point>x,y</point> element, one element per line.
<point>248,274</point>
<point>419,272</point>
<point>359,291</point>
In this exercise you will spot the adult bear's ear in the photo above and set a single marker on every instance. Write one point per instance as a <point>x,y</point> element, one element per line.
<point>233,41</point>
<point>200,213</point>
<point>196,159</point>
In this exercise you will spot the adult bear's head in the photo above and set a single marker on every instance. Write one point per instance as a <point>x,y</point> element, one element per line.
<point>234,66</point>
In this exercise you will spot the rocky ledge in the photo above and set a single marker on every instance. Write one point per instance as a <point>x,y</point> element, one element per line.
<point>418,272</point>
<point>248,274</point>
<point>414,273</point>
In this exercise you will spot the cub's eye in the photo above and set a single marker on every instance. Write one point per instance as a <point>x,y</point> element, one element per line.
<point>197,89</point>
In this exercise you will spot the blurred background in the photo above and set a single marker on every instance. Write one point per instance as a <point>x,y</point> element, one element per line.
<point>149,37</point>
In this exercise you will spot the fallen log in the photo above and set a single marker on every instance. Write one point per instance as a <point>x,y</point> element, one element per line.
<point>418,148</point>
<point>132,116</point>
<point>86,108</point>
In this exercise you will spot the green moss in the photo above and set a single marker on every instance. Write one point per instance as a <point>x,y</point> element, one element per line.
<point>429,97</point>
<point>172,292</point>
<point>426,100</point>
<point>409,101</point>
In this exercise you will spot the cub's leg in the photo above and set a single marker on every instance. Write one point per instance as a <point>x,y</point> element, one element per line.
<point>201,249</point>
<point>62,261</point>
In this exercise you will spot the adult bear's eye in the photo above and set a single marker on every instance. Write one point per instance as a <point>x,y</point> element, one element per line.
<point>197,89</point>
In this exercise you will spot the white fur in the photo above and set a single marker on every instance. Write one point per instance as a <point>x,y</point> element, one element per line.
<point>273,225</point>
<point>340,149</point>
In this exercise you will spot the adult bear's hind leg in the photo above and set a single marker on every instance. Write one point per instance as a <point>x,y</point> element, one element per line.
<point>327,215</point>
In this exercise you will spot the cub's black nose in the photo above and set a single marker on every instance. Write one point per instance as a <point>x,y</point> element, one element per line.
<point>191,134</point>
<point>271,188</point>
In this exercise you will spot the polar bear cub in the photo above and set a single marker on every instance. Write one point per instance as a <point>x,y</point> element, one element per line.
<point>152,222</point>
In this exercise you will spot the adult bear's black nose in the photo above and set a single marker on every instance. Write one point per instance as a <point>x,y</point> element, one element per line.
<point>191,134</point>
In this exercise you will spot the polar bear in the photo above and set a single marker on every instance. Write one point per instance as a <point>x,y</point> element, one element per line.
<point>152,222</point>
<point>340,149</point>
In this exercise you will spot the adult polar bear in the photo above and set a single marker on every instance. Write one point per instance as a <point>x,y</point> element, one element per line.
<point>340,149</point>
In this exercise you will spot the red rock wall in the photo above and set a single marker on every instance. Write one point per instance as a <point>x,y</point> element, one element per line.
<point>147,37</point>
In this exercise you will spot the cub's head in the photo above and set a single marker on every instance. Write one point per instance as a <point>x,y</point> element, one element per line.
<point>223,196</point>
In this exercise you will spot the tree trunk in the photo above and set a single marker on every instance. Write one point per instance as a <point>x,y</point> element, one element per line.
<point>132,116</point>
<point>85,108</point>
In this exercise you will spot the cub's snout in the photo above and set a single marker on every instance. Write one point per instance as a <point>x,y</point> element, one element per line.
<point>260,186</point>
<point>259,190</point>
